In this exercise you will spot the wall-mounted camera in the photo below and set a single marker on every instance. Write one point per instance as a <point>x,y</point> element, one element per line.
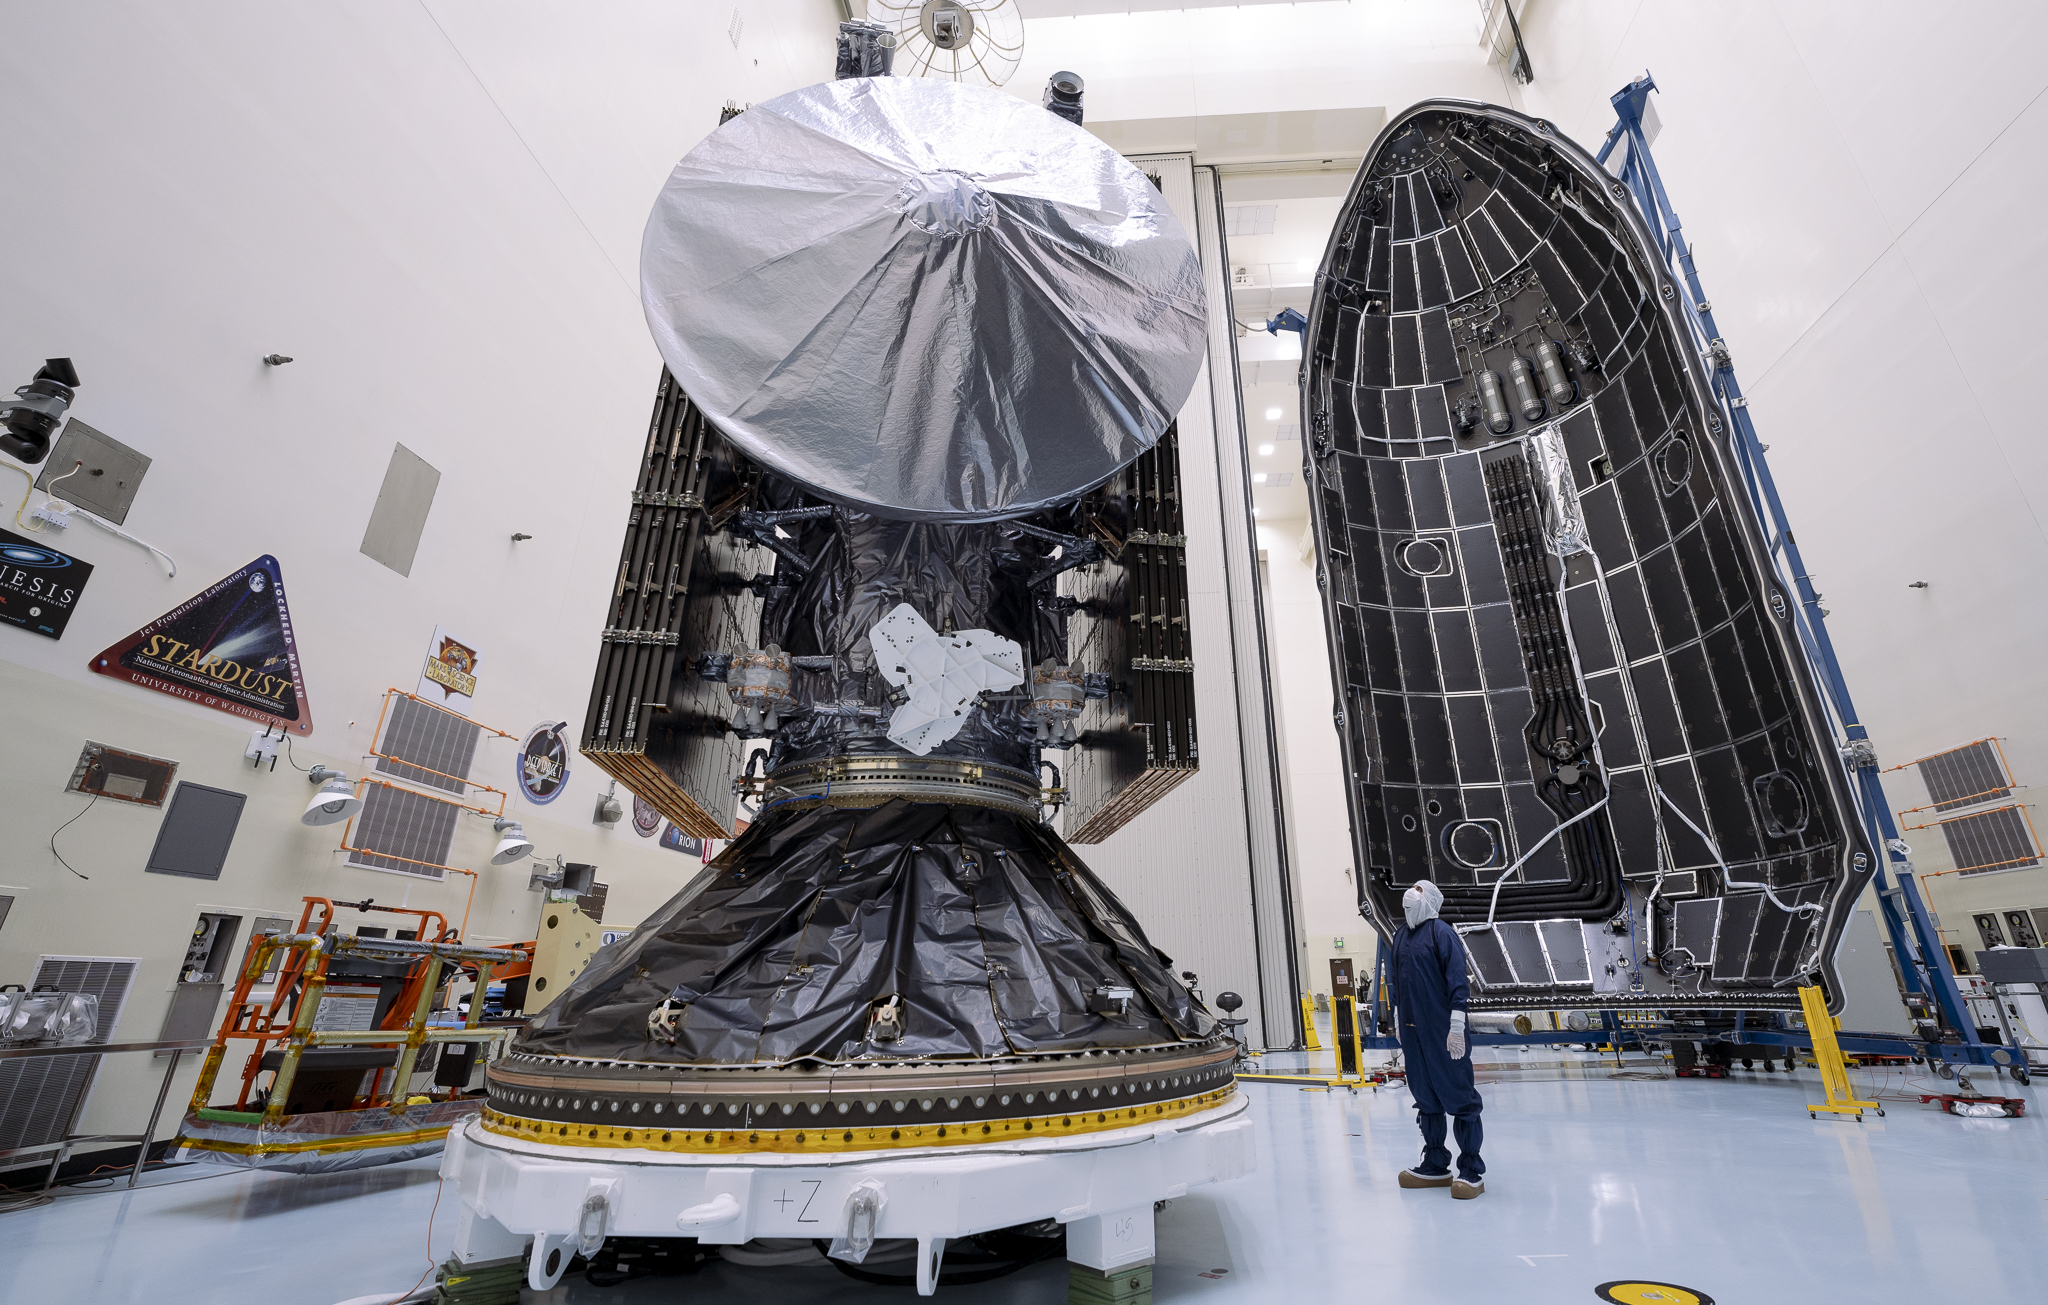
<point>32,414</point>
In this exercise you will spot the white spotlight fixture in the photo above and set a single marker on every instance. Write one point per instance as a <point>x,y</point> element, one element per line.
<point>512,842</point>
<point>1265,450</point>
<point>334,803</point>
<point>1272,414</point>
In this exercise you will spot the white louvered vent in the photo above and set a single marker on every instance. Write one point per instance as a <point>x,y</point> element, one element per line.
<point>40,1098</point>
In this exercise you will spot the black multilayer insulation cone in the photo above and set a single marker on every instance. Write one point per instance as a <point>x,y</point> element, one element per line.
<point>993,936</point>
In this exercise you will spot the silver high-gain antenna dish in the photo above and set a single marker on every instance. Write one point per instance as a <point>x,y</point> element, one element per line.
<point>922,299</point>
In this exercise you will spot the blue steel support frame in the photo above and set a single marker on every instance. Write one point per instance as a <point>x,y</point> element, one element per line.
<point>1915,941</point>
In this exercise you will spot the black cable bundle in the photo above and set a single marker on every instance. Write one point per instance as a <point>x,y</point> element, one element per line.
<point>622,1259</point>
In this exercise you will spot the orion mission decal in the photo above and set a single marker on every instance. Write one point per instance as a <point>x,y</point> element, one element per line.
<point>230,648</point>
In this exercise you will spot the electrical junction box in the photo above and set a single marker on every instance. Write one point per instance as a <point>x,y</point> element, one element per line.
<point>105,484</point>
<point>2014,965</point>
<point>124,776</point>
<point>565,942</point>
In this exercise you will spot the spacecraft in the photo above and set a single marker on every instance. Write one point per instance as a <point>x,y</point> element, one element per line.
<point>908,514</point>
<point>1568,684</point>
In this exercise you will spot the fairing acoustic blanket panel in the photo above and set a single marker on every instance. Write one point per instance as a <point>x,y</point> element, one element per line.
<point>923,299</point>
<point>1568,689</point>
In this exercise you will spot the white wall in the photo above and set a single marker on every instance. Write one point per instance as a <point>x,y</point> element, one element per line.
<point>1318,822</point>
<point>1224,59</point>
<point>1862,185</point>
<point>435,209</point>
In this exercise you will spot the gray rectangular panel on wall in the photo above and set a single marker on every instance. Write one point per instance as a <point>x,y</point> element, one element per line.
<point>403,831</point>
<point>1999,839</point>
<point>100,473</point>
<point>40,1098</point>
<point>1965,775</point>
<point>441,745</point>
<point>196,832</point>
<point>190,1017</point>
<point>393,536</point>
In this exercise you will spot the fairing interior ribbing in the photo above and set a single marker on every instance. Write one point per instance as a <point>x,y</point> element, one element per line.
<point>1562,660</point>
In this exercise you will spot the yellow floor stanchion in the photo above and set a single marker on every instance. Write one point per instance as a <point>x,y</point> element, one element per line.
<point>1348,1028</point>
<point>1309,1040</point>
<point>1834,1074</point>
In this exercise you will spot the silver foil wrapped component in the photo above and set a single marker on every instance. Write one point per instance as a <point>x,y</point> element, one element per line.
<point>927,300</point>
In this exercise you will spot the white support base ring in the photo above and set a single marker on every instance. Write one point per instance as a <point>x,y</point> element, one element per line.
<point>1102,1185</point>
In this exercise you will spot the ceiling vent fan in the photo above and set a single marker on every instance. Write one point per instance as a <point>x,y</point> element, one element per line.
<point>978,41</point>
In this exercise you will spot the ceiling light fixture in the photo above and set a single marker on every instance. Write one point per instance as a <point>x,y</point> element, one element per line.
<point>513,844</point>
<point>334,803</point>
<point>1259,479</point>
<point>1272,414</point>
<point>1265,450</point>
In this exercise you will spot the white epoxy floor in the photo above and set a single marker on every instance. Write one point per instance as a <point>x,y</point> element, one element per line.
<point>1721,1185</point>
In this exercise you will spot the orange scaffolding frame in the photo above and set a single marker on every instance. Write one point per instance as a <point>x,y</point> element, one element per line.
<point>303,977</point>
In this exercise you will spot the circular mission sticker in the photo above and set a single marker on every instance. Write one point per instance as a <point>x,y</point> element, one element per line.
<point>544,763</point>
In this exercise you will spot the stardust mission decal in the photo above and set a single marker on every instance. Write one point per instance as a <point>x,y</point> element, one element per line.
<point>230,648</point>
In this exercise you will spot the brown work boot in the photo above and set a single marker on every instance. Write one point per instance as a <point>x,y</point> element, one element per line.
<point>1410,1178</point>
<point>1464,1191</point>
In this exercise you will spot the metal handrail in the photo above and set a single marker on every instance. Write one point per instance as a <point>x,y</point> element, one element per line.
<point>143,1140</point>
<point>98,1048</point>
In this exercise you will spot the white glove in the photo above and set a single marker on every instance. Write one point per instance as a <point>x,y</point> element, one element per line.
<point>1455,1044</point>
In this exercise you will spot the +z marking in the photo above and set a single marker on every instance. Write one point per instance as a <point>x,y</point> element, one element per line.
<point>785,1200</point>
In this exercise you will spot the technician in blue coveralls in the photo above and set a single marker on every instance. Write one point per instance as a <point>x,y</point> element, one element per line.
<point>1429,995</point>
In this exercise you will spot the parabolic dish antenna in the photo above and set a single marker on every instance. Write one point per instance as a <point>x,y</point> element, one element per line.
<point>923,299</point>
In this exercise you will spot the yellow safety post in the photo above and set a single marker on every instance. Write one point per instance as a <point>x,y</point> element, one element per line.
<point>1309,1040</point>
<point>1834,1074</point>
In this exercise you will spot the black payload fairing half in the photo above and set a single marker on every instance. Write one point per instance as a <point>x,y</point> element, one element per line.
<point>908,509</point>
<point>1568,681</point>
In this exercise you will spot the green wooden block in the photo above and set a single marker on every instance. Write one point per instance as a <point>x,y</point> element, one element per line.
<point>489,1284</point>
<point>1131,1286</point>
